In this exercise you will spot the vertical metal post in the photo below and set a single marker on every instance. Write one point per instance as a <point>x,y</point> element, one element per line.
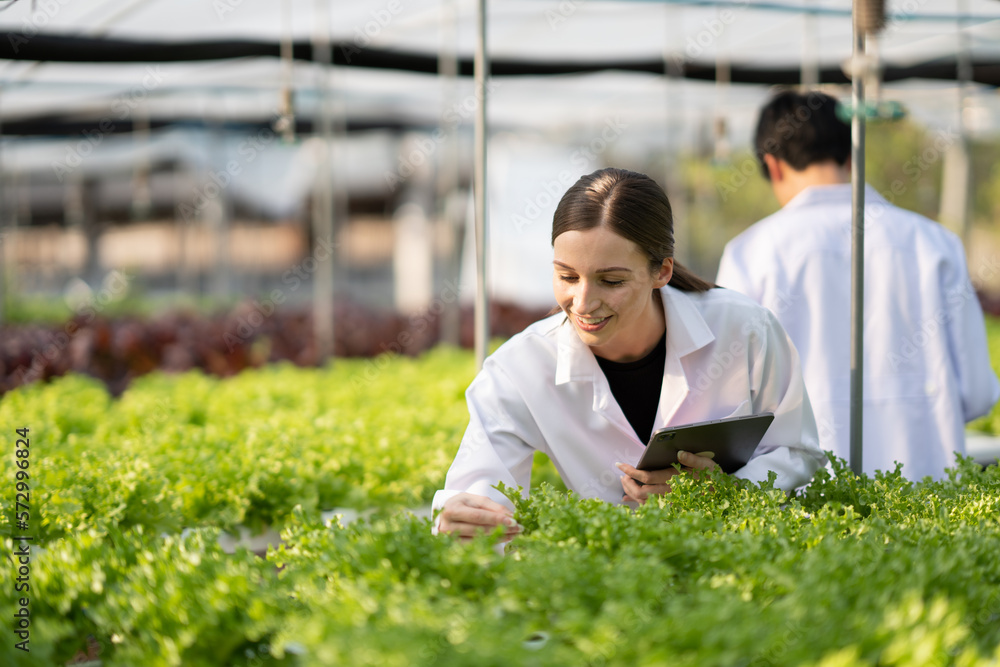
<point>187,267</point>
<point>323,199</point>
<point>673,116</point>
<point>142,201</point>
<point>217,212</point>
<point>720,129</point>
<point>482,314</point>
<point>957,176</point>
<point>810,48</point>
<point>286,123</point>
<point>448,175</point>
<point>857,242</point>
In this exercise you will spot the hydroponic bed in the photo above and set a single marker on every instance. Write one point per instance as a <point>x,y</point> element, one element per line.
<point>128,499</point>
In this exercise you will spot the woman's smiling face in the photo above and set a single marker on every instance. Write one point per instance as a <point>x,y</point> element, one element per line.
<point>603,283</point>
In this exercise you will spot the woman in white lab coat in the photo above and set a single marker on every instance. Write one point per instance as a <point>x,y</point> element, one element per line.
<point>640,343</point>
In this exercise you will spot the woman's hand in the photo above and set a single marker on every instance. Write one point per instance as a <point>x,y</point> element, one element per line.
<point>468,514</point>
<point>657,482</point>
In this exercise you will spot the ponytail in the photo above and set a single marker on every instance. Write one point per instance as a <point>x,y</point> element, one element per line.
<point>686,281</point>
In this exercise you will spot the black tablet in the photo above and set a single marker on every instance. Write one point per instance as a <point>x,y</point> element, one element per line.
<point>729,442</point>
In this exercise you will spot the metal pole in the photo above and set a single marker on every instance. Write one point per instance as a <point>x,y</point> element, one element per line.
<point>142,200</point>
<point>323,199</point>
<point>961,148</point>
<point>673,116</point>
<point>286,123</point>
<point>857,241</point>
<point>810,49</point>
<point>217,212</point>
<point>723,78</point>
<point>448,175</point>
<point>482,318</point>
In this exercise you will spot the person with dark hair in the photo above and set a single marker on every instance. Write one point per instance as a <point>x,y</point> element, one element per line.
<point>639,343</point>
<point>927,366</point>
<point>802,131</point>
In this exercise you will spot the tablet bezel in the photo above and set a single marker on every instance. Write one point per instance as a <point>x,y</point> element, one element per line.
<point>733,441</point>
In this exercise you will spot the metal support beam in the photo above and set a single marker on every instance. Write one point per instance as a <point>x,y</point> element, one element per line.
<point>482,313</point>
<point>857,243</point>
<point>448,176</point>
<point>323,198</point>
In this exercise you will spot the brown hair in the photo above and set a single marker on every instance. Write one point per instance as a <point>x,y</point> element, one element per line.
<point>631,205</point>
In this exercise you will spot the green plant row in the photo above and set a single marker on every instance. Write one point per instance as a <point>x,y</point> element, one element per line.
<point>192,450</point>
<point>855,571</point>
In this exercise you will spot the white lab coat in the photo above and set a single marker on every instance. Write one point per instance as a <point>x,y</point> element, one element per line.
<point>543,390</point>
<point>927,366</point>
